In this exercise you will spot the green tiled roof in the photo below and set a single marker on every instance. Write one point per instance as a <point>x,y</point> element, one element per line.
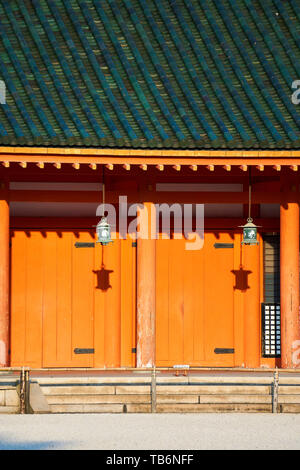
<point>188,74</point>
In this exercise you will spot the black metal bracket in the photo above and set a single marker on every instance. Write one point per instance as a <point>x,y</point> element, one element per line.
<point>223,245</point>
<point>84,351</point>
<point>224,351</point>
<point>84,245</point>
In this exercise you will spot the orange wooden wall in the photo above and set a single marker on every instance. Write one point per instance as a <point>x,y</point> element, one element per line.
<point>209,299</point>
<point>63,298</point>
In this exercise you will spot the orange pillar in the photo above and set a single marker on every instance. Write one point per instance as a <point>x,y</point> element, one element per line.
<point>252,306</point>
<point>4,278</point>
<point>146,265</point>
<point>289,284</point>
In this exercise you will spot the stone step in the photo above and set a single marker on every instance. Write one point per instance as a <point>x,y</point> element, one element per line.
<point>162,379</point>
<point>87,408</point>
<point>95,389</point>
<point>87,399</point>
<point>246,399</point>
<point>214,408</point>
<point>161,399</point>
<point>163,408</point>
<point>289,390</point>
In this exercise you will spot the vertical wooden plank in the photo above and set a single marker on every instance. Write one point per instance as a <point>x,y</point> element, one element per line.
<point>197,287</point>
<point>133,305</point>
<point>162,302</point>
<point>127,303</point>
<point>112,258</point>
<point>176,301</point>
<point>82,302</point>
<point>34,300</point>
<point>100,307</point>
<point>218,299</point>
<point>18,297</point>
<point>50,321</point>
<point>239,289</point>
<point>65,246</point>
<point>193,306</point>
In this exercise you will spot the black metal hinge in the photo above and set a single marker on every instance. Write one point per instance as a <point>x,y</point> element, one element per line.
<point>84,351</point>
<point>84,245</point>
<point>224,351</point>
<point>223,245</point>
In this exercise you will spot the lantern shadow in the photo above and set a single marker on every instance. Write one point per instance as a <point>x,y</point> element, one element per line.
<point>103,278</point>
<point>241,279</point>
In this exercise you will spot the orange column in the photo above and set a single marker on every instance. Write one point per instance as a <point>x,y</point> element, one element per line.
<point>146,266</point>
<point>4,278</point>
<point>289,283</point>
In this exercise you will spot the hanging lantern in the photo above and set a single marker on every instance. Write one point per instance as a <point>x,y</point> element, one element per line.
<point>103,228</point>
<point>249,233</point>
<point>103,232</point>
<point>249,229</point>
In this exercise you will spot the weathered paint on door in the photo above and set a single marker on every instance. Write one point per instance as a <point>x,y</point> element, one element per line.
<point>65,298</point>
<point>201,302</point>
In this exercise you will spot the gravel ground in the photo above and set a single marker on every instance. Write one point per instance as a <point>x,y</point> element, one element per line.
<point>150,432</point>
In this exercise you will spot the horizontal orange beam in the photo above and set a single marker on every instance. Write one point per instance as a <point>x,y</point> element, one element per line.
<point>130,162</point>
<point>152,196</point>
<point>150,153</point>
<point>87,223</point>
<point>58,156</point>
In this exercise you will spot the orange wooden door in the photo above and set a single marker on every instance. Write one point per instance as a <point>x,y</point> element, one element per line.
<point>66,300</point>
<point>195,302</point>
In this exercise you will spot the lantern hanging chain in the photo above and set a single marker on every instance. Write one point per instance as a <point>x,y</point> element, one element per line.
<point>250,187</point>
<point>103,191</point>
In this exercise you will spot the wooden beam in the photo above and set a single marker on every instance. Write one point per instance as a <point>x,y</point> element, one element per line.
<point>93,166</point>
<point>193,167</point>
<point>23,164</point>
<point>294,167</point>
<point>6,164</point>
<point>160,167</point>
<point>126,166</point>
<point>244,167</point>
<point>277,167</point>
<point>109,166</point>
<point>210,167</point>
<point>76,166</point>
<point>149,153</point>
<point>260,167</point>
<point>143,167</point>
<point>177,167</point>
<point>200,197</point>
<point>227,167</point>
<point>41,165</point>
<point>57,165</point>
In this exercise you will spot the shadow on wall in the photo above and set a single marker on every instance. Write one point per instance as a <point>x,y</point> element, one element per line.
<point>241,279</point>
<point>103,282</point>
